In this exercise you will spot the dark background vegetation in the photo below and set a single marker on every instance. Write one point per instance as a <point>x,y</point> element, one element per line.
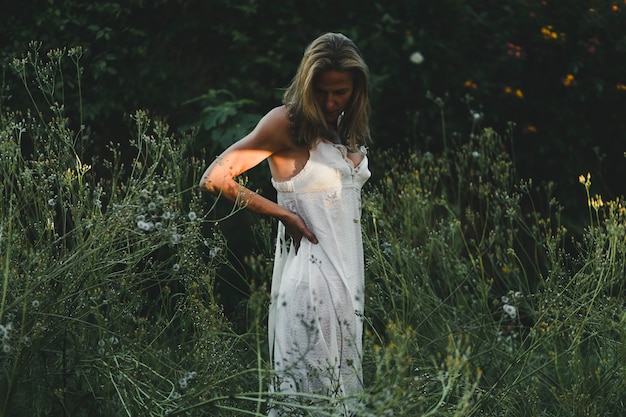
<point>556,69</point>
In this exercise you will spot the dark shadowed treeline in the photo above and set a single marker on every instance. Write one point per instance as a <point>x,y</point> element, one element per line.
<point>556,69</point>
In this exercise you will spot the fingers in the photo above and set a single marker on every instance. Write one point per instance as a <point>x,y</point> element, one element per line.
<point>296,245</point>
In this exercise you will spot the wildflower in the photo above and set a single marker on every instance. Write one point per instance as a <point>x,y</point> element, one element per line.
<point>621,87</point>
<point>549,34</point>
<point>182,383</point>
<point>152,206</point>
<point>513,50</point>
<point>192,215</point>
<point>504,299</point>
<point>470,84</point>
<point>517,92</point>
<point>510,310</point>
<point>175,238</point>
<point>145,193</point>
<point>144,225</point>
<point>215,251</point>
<point>35,303</point>
<point>597,202</point>
<point>585,181</point>
<point>176,267</point>
<point>114,340</point>
<point>51,202</point>
<point>569,80</point>
<point>416,58</point>
<point>25,340</point>
<point>476,116</point>
<point>475,154</point>
<point>6,348</point>
<point>167,215</point>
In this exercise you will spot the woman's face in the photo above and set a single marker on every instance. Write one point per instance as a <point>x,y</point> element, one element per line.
<point>332,91</point>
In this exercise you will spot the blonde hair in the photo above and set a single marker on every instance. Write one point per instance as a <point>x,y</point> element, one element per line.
<point>329,52</point>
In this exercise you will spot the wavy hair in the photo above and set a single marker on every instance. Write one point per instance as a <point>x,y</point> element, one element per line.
<point>329,52</point>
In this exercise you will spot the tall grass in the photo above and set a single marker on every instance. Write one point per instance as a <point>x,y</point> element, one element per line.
<point>459,250</point>
<point>479,301</point>
<point>107,305</point>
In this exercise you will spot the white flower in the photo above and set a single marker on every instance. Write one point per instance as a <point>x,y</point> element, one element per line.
<point>182,383</point>
<point>175,238</point>
<point>51,202</point>
<point>114,340</point>
<point>475,154</point>
<point>152,206</point>
<point>176,267</point>
<point>504,299</point>
<point>510,310</point>
<point>416,58</point>
<point>215,251</point>
<point>35,303</point>
<point>476,116</point>
<point>192,215</point>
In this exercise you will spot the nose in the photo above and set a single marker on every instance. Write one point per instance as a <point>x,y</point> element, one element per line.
<point>329,102</point>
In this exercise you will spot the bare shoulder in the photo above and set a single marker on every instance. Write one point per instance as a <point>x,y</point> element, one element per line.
<point>275,126</point>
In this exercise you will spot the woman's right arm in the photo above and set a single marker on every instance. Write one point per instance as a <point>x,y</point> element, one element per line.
<point>271,135</point>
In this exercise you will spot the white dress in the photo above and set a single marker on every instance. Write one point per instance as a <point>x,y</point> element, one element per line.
<point>317,296</point>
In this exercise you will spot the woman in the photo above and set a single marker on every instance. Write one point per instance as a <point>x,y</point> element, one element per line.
<point>314,144</point>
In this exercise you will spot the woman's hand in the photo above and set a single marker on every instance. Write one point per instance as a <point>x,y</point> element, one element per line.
<point>296,228</point>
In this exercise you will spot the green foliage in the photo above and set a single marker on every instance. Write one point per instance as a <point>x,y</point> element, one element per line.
<point>225,121</point>
<point>456,246</point>
<point>107,304</point>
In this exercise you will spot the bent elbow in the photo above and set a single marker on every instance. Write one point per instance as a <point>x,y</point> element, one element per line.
<point>206,184</point>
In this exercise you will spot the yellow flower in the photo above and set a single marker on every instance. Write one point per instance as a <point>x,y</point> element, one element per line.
<point>519,93</point>
<point>569,80</point>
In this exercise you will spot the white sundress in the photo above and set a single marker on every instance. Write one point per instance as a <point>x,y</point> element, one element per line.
<point>317,296</point>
